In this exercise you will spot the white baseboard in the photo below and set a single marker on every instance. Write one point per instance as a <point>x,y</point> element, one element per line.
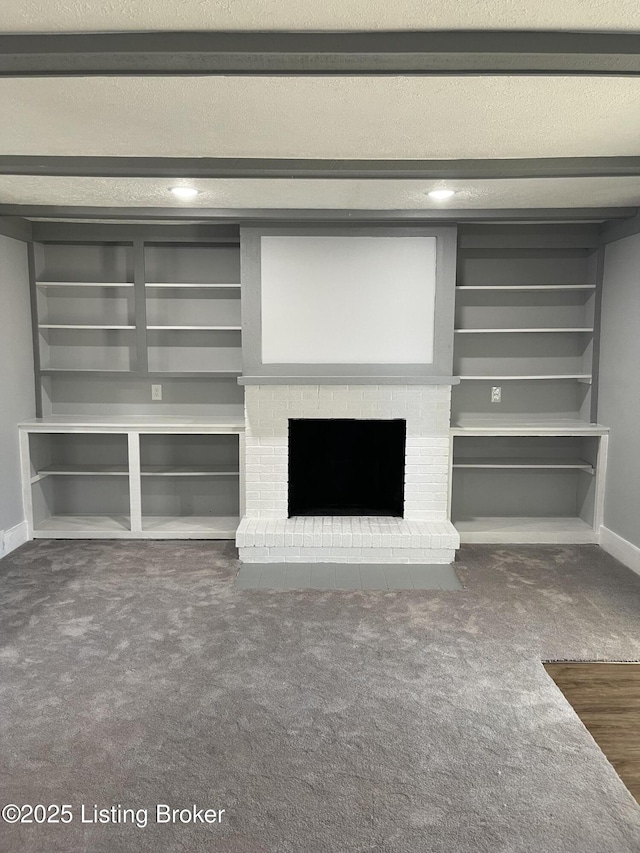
<point>620,548</point>
<point>14,538</point>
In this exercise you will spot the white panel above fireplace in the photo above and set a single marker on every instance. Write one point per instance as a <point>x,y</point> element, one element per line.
<point>348,299</point>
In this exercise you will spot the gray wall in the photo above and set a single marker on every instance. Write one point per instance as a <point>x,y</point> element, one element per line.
<point>16,373</point>
<point>619,391</point>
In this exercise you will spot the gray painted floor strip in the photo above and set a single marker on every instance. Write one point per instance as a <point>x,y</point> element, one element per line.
<point>273,576</point>
<point>249,576</point>
<point>345,576</point>
<point>323,576</point>
<point>298,576</point>
<point>398,577</point>
<point>348,576</point>
<point>372,577</point>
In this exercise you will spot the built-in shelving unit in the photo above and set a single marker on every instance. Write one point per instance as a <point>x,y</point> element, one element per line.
<point>529,468</point>
<point>115,310</point>
<point>85,306</point>
<point>528,484</point>
<point>193,308</point>
<point>525,314</point>
<point>118,478</point>
<point>113,314</point>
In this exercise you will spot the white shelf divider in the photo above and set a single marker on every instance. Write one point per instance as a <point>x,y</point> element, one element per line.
<point>135,484</point>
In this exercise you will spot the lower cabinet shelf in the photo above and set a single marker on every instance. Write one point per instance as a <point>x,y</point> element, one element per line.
<point>189,527</point>
<point>153,527</point>
<point>83,527</point>
<point>525,530</point>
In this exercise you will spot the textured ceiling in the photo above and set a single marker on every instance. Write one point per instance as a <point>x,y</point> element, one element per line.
<point>363,195</point>
<point>90,15</point>
<point>333,117</point>
<point>329,117</point>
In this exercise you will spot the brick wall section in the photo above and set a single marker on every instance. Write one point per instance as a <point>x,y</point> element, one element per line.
<point>425,408</point>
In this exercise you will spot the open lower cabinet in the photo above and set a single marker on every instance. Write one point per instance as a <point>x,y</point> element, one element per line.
<point>536,486</point>
<point>114,479</point>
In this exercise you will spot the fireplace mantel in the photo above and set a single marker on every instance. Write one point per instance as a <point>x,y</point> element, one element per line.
<point>348,380</point>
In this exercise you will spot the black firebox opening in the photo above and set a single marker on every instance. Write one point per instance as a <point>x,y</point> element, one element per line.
<point>346,467</point>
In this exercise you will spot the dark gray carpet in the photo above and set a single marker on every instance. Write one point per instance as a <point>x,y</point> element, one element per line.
<point>135,673</point>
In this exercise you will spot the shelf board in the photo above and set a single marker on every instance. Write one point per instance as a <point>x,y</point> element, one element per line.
<point>581,377</point>
<point>519,331</point>
<point>524,287</point>
<point>169,424</point>
<point>118,527</point>
<point>524,425</point>
<point>503,530</point>
<point>52,371</point>
<point>197,374</point>
<point>194,374</point>
<point>190,471</point>
<point>193,285</point>
<point>83,326</point>
<point>81,471</point>
<point>195,328</point>
<point>190,527</point>
<point>82,526</point>
<point>84,283</point>
<point>523,462</point>
<point>146,471</point>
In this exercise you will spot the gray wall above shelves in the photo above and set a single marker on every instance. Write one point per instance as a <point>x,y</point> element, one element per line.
<point>253,364</point>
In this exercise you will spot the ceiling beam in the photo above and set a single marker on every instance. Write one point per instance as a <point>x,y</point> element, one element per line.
<point>16,227</point>
<point>244,215</point>
<point>274,168</point>
<point>618,229</point>
<point>320,53</point>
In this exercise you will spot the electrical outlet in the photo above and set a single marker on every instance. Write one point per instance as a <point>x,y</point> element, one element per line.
<point>496,394</point>
<point>156,392</point>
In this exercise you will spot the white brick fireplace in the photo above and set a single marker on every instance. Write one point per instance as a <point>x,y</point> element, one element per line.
<point>423,535</point>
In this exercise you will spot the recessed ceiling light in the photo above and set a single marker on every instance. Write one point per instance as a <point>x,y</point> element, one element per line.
<point>441,195</point>
<point>184,192</point>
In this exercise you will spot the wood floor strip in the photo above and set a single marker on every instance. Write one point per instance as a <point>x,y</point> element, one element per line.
<point>606,697</point>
